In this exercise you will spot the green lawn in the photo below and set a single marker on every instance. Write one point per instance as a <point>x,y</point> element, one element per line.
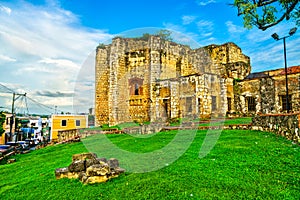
<point>242,165</point>
<point>227,121</point>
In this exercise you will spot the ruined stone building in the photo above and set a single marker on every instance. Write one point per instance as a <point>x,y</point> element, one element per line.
<point>155,80</point>
<point>265,92</point>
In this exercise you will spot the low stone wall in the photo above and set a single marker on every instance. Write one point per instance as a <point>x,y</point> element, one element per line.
<point>145,129</point>
<point>68,135</point>
<point>286,125</point>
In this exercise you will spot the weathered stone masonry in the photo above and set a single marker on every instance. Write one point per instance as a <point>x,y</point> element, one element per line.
<point>265,92</point>
<point>154,80</point>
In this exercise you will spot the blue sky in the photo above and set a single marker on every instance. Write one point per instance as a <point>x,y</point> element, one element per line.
<point>47,46</point>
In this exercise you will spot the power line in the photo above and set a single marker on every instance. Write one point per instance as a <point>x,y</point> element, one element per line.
<point>43,105</point>
<point>7,90</point>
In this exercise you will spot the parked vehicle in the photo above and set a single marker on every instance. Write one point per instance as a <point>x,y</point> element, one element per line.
<point>19,146</point>
<point>24,145</point>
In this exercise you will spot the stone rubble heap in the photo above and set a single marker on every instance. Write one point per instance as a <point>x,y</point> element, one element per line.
<point>88,168</point>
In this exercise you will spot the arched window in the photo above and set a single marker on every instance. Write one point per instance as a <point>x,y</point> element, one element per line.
<point>135,86</point>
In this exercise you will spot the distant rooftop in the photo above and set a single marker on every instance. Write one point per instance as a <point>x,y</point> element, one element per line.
<point>291,70</point>
<point>263,74</point>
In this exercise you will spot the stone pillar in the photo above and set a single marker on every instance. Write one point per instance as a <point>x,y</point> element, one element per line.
<point>102,86</point>
<point>174,88</point>
<point>154,73</point>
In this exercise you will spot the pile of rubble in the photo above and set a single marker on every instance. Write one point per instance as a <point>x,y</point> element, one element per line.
<point>88,168</point>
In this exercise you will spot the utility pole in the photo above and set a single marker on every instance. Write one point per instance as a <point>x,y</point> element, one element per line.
<point>276,37</point>
<point>12,120</point>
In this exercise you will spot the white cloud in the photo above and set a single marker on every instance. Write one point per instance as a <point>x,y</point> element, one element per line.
<point>44,46</point>
<point>5,9</point>
<point>62,63</point>
<point>204,2</point>
<point>233,29</point>
<point>187,19</point>
<point>7,58</point>
<point>205,28</point>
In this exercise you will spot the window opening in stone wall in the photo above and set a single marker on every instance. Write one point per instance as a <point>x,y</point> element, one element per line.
<point>189,105</point>
<point>251,103</point>
<point>63,122</point>
<point>228,104</point>
<point>135,86</point>
<point>136,89</point>
<point>199,105</point>
<point>77,122</point>
<point>166,107</point>
<point>213,103</point>
<point>283,102</point>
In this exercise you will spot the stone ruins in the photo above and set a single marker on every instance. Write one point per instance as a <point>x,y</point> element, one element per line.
<point>88,168</point>
<point>155,80</point>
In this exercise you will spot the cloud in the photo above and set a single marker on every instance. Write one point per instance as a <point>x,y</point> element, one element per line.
<point>187,19</point>
<point>60,63</point>
<point>233,29</point>
<point>204,2</point>
<point>44,47</point>
<point>7,58</point>
<point>5,9</point>
<point>54,94</point>
<point>205,28</point>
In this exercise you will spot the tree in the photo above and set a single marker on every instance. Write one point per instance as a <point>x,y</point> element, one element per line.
<point>165,34</point>
<point>267,13</point>
<point>2,120</point>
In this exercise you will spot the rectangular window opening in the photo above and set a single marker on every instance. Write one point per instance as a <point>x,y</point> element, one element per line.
<point>213,103</point>
<point>284,101</point>
<point>63,122</point>
<point>189,105</point>
<point>251,103</point>
<point>229,104</point>
<point>77,122</point>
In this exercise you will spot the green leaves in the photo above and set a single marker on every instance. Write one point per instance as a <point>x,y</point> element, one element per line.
<point>267,13</point>
<point>2,120</point>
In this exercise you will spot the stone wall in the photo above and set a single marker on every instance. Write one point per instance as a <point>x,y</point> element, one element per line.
<point>268,89</point>
<point>286,125</point>
<point>68,135</point>
<point>153,80</point>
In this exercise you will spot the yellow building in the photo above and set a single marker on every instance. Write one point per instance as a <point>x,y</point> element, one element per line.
<point>6,126</point>
<point>66,122</point>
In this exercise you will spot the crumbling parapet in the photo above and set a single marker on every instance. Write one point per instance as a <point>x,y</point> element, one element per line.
<point>88,168</point>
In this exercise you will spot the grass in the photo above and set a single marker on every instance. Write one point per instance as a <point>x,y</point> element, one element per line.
<point>228,121</point>
<point>242,165</point>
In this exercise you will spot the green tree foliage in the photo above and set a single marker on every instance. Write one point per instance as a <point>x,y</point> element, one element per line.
<point>145,36</point>
<point>267,13</point>
<point>2,120</point>
<point>165,34</point>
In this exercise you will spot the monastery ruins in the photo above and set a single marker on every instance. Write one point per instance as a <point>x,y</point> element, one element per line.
<point>154,79</point>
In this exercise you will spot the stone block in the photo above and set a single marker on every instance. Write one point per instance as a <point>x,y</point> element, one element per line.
<point>77,166</point>
<point>90,169</point>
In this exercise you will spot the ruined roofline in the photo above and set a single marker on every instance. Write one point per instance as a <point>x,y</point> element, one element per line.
<point>103,46</point>
<point>224,44</point>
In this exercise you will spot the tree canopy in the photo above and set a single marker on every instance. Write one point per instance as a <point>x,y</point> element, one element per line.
<point>267,13</point>
<point>2,120</point>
